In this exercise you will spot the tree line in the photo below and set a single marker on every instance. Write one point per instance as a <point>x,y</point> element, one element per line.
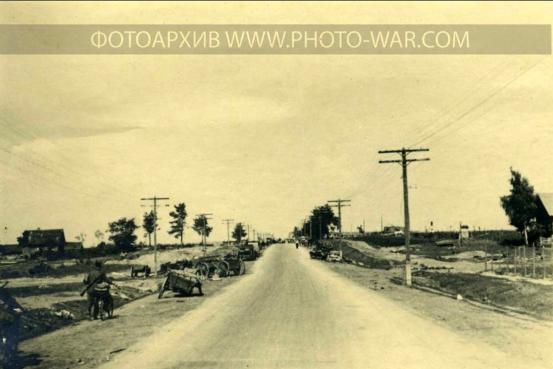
<point>122,231</point>
<point>318,224</point>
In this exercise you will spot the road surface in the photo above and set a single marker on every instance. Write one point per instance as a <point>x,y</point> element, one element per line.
<point>293,312</point>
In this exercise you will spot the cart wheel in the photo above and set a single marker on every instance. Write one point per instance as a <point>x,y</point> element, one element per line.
<point>242,268</point>
<point>223,269</point>
<point>161,289</point>
<point>202,270</point>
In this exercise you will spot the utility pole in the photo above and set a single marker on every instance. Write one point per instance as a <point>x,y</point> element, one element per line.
<point>340,203</point>
<point>228,221</point>
<point>155,200</point>
<point>206,217</point>
<point>404,161</point>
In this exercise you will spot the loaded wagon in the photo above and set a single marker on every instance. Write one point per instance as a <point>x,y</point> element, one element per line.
<point>223,266</point>
<point>177,265</point>
<point>180,282</point>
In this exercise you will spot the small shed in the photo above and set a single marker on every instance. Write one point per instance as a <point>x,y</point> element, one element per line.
<point>464,232</point>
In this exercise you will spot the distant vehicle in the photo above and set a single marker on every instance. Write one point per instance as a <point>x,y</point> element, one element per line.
<point>334,256</point>
<point>318,252</point>
<point>255,244</point>
<point>445,243</point>
<point>393,231</point>
<point>249,251</point>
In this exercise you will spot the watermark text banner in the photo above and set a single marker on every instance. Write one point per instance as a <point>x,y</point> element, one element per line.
<point>275,39</point>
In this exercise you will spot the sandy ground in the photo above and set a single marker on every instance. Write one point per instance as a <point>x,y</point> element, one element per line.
<point>294,312</point>
<point>521,335</point>
<point>464,264</point>
<point>165,256</point>
<point>87,344</point>
<point>39,300</point>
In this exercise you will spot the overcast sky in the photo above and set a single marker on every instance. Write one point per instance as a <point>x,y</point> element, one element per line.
<point>263,139</point>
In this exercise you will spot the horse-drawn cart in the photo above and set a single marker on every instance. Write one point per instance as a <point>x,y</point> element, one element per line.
<point>223,266</point>
<point>180,282</point>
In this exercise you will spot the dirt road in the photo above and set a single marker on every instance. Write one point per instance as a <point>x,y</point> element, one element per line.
<point>295,313</point>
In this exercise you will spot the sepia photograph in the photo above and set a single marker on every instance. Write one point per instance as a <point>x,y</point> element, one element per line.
<point>276,185</point>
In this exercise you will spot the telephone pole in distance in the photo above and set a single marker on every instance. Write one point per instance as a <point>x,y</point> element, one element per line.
<point>340,203</point>
<point>228,221</point>
<point>155,204</point>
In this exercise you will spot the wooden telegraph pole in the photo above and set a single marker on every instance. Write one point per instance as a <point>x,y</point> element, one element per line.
<point>404,161</point>
<point>340,203</point>
<point>228,221</point>
<point>155,204</point>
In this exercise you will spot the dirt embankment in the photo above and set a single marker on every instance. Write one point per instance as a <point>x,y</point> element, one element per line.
<point>456,277</point>
<point>361,256</point>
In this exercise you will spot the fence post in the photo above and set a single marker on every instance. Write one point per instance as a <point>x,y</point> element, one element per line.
<point>543,260</point>
<point>524,260</point>
<point>533,260</point>
<point>515,259</point>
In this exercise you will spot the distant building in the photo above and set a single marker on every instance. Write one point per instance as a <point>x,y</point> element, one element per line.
<point>40,241</point>
<point>545,215</point>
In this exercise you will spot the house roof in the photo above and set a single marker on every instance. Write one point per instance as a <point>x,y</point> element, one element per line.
<point>547,201</point>
<point>46,237</point>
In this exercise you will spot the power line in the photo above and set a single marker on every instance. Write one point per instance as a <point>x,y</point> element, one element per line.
<point>57,164</point>
<point>427,134</point>
<point>479,104</point>
<point>404,161</point>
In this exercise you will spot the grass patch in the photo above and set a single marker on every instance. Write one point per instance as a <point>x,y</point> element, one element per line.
<point>532,298</point>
